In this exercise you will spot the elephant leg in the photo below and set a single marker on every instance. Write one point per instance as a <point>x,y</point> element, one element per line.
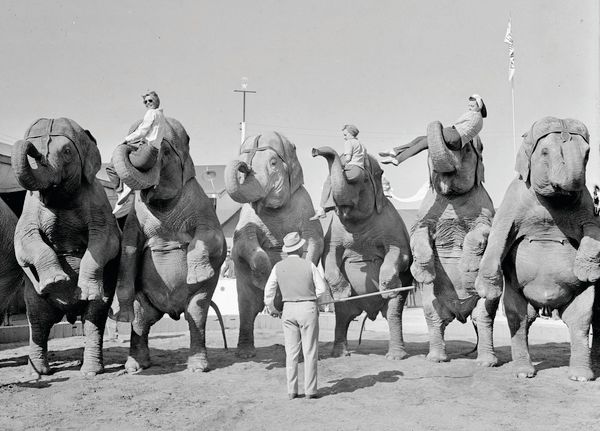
<point>423,266</point>
<point>596,329</point>
<point>393,314</point>
<point>145,316</point>
<point>344,313</point>
<point>132,244</point>
<point>483,316</point>
<point>250,303</point>
<point>437,317</point>
<point>41,316</point>
<point>577,315</point>
<point>196,314</point>
<point>520,315</point>
<point>94,322</point>
<point>205,245</point>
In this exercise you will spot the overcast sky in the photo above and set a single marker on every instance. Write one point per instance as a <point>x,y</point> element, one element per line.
<point>390,67</point>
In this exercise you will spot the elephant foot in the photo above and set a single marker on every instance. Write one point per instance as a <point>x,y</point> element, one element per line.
<point>246,352</point>
<point>486,360</point>
<point>199,273</point>
<point>90,370</point>
<point>423,272</point>
<point>581,374</point>
<point>133,366</point>
<point>524,370</point>
<point>339,349</point>
<point>437,356</point>
<point>37,369</point>
<point>396,354</point>
<point>50,279</point>
<point>198,362</point>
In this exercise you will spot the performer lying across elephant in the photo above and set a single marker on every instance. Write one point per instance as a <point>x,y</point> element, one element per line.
<point>366,250</point>
<point>448,240</point>
<point>66,235</point>
<point>267,178</point>
<point>545,242</point>
<point>172,251</point>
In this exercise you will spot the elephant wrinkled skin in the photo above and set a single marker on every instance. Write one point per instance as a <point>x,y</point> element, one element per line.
<point>267,178</point>
<point>172,250</point>
<point>66,235</point>
<point>366,250</point>
<point>448,240</point>
<point>545,242</point>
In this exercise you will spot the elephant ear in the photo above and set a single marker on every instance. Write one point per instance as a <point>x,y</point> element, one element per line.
<point>90,156</point>
<point>522,164</point>
<point>375,173</point>
<point>291,159</point>
<point>177,136</point>
<point>480,172</point>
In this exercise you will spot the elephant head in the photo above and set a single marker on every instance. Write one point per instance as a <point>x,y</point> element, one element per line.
<point>355,202</point>
<point>267,171</point>
<point>453,172</point>
<point>553,157</point>
<point>165,180</point>
<point>55,157</point>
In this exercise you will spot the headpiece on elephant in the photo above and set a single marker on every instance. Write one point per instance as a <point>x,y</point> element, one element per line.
<point>42,130</point>
<point>540,129</point>
<point>177,138</point>
<point>284,149</point>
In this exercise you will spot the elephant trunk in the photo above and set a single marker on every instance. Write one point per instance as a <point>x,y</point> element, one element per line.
<point>340,188</point>
<point>241,183</point>
<point>129,174</point>
<point>568,172</point>
<point>443,159</point>
<point>40,178</point>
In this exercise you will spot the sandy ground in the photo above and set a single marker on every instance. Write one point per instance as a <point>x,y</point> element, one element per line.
<point>360,392</point>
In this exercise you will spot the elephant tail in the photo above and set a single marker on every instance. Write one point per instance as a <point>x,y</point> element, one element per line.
<point>220,317</point>
<point>362,327</point>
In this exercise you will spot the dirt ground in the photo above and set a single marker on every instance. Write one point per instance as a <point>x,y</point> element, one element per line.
<point>359,392</point>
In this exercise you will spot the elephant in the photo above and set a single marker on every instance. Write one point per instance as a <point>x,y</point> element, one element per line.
<point>66,237</point>
<point>545,243</point>
<point>447,242</point>
<point>366,250</point>
<point>172,249</point>
<point>268,179</point>
<point>12,277</point>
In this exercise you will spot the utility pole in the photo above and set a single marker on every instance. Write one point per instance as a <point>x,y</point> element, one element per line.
<point>243,91</point>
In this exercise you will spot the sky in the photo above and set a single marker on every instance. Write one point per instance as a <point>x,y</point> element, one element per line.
<point>389,67</point>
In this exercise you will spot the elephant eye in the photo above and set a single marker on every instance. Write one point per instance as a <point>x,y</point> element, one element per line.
<point>544,151</point>
<point>273,161</point>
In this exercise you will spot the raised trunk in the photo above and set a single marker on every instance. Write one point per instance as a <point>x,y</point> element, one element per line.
<point>343,193</point>
<point>241,184</point>
<point>39,178</point>
<point>134,178</point>
<point>443,159</point>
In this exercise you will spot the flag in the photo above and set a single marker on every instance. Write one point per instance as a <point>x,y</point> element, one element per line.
<point>508,39</point>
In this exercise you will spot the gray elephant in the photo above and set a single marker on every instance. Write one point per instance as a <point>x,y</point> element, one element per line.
<point>66,235</point>
<point>268,179</point>
<point>12,277</point>
<point>172,250</point>
<point>366,250</point>
<point>545,242</point>
<point>447,242</point>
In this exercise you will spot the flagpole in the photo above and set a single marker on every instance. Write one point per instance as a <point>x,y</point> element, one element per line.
<point>512,93</point>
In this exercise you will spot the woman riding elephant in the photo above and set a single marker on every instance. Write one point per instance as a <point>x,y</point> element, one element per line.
<point>366,250</point>
<point>173,248</point>
<point>67,236</point>
<point>268,179</point>
<point>448,240</point>
<point>545,243</point>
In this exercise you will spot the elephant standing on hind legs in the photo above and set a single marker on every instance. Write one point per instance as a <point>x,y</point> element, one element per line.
<point>447,242</point>
<point>366,250</point>
<point>66,235</point>
<point>267,178</point>
<point>172,251</point>
<point>545,243</point>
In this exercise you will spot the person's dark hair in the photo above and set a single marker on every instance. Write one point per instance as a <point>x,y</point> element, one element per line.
<point>483,109</point>
<point>352,129</point>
